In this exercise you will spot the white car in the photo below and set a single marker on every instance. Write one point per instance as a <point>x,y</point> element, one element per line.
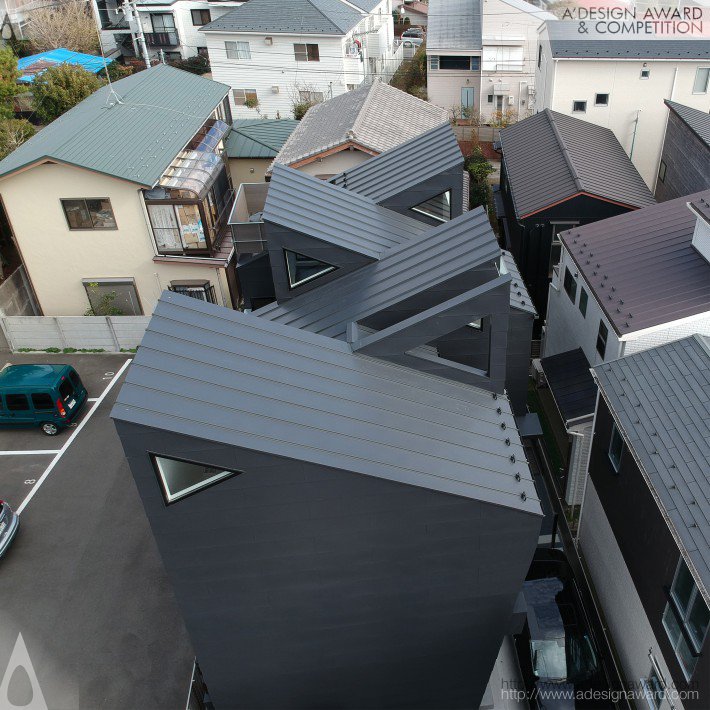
<point>9,524</point>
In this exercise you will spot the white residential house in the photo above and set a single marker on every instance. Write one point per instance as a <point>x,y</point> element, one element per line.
<point>622,285</point>
<point>276,55</point>
<point>622,85</point>
<point>171,29</point>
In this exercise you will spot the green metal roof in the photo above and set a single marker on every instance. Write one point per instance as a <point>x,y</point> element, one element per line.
<point>258,137</point>
<point>133,134</point>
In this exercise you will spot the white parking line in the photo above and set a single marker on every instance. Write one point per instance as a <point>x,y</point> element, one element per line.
<point>29,453</point>
<point>73,436</point>
<point>92,399</point>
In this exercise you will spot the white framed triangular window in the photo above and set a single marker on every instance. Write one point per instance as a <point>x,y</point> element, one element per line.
<point>437,207</point>
<point>301,268</point>
<point>179,478</point>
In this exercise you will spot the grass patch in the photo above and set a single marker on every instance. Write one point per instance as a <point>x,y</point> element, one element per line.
<point>553,451</point>
<point>60,350</point>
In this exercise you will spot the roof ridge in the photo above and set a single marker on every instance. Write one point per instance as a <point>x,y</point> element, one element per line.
<point>330,19</point>
<point>365,104</point>
<point>563,147</point>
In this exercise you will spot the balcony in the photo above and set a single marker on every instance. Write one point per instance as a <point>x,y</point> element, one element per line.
<point>245,220</point>
<point>162,39</point>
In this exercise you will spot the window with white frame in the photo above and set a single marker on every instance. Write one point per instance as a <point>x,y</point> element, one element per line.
<point>579,106</point>
<point>686,619</point>
<point>601,99</point>
<point>645,74</point>
<point>702,79</point>
<point>237,50</point>
<point>179,478</point>
<point>244,97</point>
<point>616,448</point>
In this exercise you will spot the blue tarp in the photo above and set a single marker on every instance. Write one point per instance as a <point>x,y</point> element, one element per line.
<point>30,67</point>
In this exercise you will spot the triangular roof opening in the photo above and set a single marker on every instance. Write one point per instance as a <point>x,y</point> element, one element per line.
<point>302,268</point>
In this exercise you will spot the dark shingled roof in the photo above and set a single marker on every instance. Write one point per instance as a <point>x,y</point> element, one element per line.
<point>697,121</point>
<point>571,383</point>
<point>551,157</point>
<point>661,401</point>
<point>324,17</point>
<point>233,378</point>
<point>566,42</point>
<point>642,267</point>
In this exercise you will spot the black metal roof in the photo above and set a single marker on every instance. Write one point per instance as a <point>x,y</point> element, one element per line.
<point>642,266</point>
<point>571,383</point>
<point>697,121</point>
<point>551,157</point>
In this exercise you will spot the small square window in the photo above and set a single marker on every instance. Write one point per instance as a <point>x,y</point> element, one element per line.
<point>583,298</point>
<point>306,52</point>
<point>179,479</point>
<point>616,448</point>
<point>645,74</point>
<point>601,99</point>
<point>490,98</point>
<point>242,96</point>
<point>200,17</point>
<point>570,285</point>
<point>237,50</point>
<point>579,106</point>
<point>662,171</point>
<point>602,336</point>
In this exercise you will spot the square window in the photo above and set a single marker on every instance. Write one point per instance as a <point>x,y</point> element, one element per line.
<point>583,298</point>
<point>237,50</point>
<point>89,213</point>
<point>179,479</point>
<point>662,171</point>
<point>306,52</point>
<point>601,99</point>
<point>616,448</point>
<point>242,96</point>
<point>579,106</point>
<point>602,336</point>
<point>570,284</point>
<point>645,74</point>
<point>200,17</point>
<point>702,78</point>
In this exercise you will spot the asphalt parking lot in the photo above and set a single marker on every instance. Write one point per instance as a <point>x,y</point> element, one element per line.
<point>83,582</point>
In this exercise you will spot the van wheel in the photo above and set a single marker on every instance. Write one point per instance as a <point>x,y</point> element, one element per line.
<point>50,429</point>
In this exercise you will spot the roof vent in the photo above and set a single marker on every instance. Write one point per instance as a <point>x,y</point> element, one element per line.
<point>701,233</point>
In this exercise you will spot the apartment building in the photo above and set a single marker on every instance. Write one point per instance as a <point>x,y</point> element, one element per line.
<point>130,194</point>
<point>622,85</point>
<point>276,56</point>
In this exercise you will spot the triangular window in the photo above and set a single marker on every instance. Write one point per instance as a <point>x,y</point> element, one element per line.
<point>302,269</point>
<point>437,207</point>
<point>179,479</point>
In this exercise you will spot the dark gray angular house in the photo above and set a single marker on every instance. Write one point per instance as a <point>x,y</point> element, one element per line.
<point>558,172</point>
<point>685,159</point>
<point>645,521</point>
<point>340,531</point>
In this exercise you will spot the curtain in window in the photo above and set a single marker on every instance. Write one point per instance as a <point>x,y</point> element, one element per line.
<point>165,227</point>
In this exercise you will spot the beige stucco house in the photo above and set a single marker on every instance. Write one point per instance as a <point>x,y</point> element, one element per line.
<point>126,195</point>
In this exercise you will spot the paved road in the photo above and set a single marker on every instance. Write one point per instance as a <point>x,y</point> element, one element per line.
<point>83,582</point>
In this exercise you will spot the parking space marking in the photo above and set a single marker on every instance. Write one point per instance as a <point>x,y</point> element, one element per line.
<point>74,434</point>
<point>91,399</point>
<point>29,453</point>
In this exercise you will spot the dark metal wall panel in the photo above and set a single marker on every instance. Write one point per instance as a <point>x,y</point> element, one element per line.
<point>304,586</point>
<point>520,326</point>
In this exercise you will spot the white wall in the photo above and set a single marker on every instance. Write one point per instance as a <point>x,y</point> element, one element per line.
<point>57,258</point>
<point>630,97</point>
<point>624,612</point>
<point>444,85</point>
<point>335,163</point>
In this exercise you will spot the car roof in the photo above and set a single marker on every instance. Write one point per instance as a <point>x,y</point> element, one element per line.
<point>19,376</point>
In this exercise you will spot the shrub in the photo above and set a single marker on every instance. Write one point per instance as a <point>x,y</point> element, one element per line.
<point>60,88</point>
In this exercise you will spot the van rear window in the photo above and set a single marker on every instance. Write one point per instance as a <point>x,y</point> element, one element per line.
<point>42,400</point>
<point>65,390</point>
<point>76,381</point>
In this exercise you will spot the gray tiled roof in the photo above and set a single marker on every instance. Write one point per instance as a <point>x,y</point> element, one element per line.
<point>318,209</point>
<point>322,17</point>
<point>408,164</point>
<point>262,386</point>
<point>432,258</point>
<point>661,400</point>
<point>519,296</point>
<point>160,110</point>
<point>642,267</point>
<point>697,121</point>
<point>551,157</point>
<point>567,43</point>
<point>454,24</point>
<point>378,117</point>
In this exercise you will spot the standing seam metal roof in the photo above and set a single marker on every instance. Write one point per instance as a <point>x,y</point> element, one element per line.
<point>454,24</point>
<point>320,17</point>
<point>697,121</point>
<point>642,267</point>
<point>519,297</point>
<point>228,377</point>
<point>411,268</point>
<point>134,139</point>
<point>661,399</point>
<point>318,209</point>
<point>550,157</point>
<point>376,116</point>
<point>394,171</point>
<point>258,137</point>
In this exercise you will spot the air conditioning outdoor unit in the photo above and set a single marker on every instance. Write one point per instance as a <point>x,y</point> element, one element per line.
<point>274,89</point>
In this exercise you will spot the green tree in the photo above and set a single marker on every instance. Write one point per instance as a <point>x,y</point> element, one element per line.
<point>60,88</point>
<point>9,74</point>
<point>411,75</point>
<point>480,189</point>
<point>13,133</point>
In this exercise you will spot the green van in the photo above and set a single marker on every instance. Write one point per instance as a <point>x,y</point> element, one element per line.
<point>47,396</point>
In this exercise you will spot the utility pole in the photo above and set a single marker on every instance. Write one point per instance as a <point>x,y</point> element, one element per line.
<point>131,13</point>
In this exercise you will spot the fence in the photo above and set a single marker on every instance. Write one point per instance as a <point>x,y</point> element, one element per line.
<point>109,333</point>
